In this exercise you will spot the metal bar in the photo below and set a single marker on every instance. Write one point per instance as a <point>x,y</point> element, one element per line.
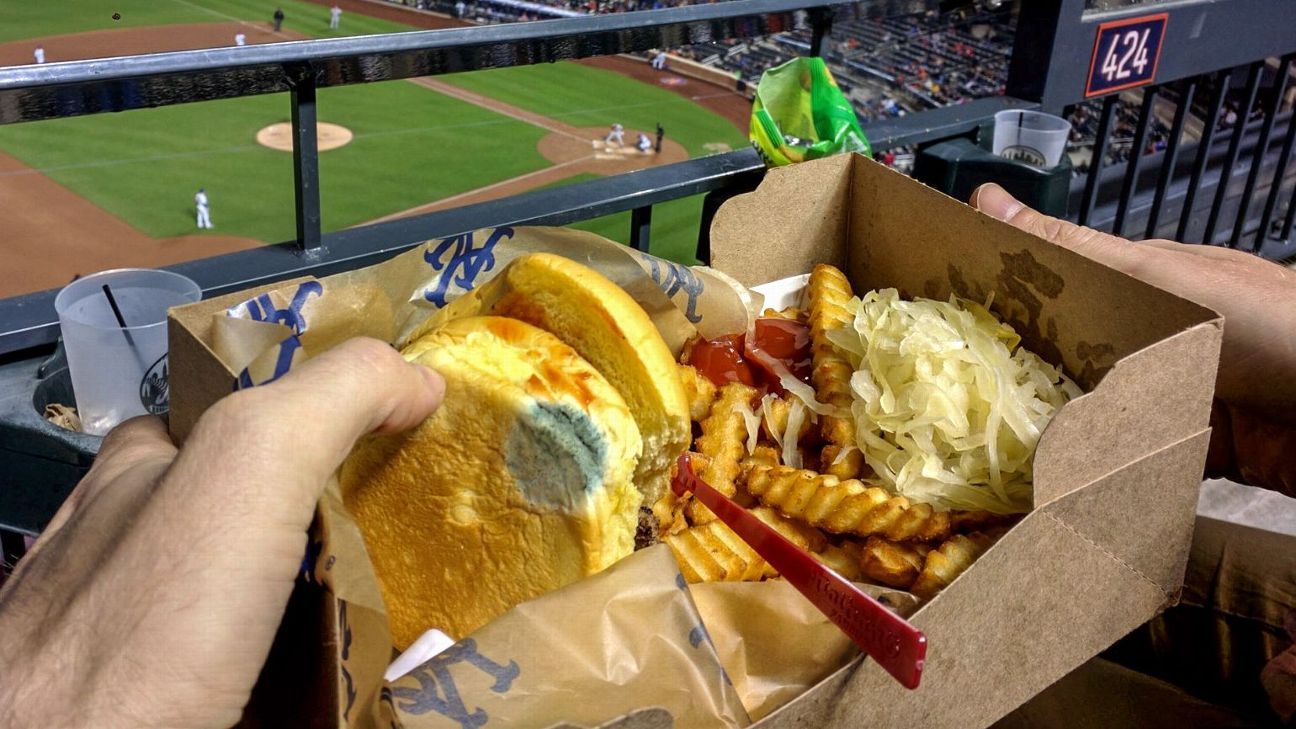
<point>820,26</point>
<point>640,227</point>
<point>1286,233</point>
<point>1136,157</point>
<point>1235,145</point>
<point>1275,187</point>
<point>1262,146</point>
<point>1171,155</point>
<point>55,90</point>
<point>306,161</point>
<point>943,123</point>
<point>30,321</point>
<point>12,549</point>
<point>1042,33</point>
<point>1096,161</point>
<point>1203,151</point>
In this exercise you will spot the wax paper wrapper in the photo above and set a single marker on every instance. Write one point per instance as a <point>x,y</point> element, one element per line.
<point>626,645</point>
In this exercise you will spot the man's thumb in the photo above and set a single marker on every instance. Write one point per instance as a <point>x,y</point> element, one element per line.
<point>1118,253</point>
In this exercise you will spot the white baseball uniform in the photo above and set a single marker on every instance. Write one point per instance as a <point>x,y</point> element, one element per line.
<point>617,133</point>
<point>240,39</point>
<point>644,144</point>
<point>39,54</point>
<point>335,17</point>
<point>204,213</point>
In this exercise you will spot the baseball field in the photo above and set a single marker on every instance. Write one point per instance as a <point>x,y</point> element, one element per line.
<point>89,193</point>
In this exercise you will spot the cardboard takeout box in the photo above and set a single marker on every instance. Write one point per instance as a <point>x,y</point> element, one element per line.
<point>1116,472</point>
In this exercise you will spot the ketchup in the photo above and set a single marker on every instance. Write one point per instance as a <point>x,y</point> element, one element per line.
<point>721,360</point>
<point>728,359</point>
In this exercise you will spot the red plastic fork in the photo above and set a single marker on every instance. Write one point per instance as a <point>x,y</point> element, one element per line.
<point>887,638</point>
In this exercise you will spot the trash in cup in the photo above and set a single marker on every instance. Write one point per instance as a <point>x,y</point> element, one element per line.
<point>1032,137</point>
<point>115,333</point>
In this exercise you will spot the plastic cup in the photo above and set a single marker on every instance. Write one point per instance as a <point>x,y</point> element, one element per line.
<point>118,373</point>
<point>1032,137</point>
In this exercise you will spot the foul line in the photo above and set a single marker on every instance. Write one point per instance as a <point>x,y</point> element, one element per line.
<point>240,21</point>
<point>480,190</point>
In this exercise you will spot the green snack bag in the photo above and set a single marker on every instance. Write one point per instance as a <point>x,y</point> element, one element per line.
<point>799,113</point>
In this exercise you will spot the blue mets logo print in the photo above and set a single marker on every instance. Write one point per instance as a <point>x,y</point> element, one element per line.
<point>437,690</point>
<point>465,264</point>
<point>674,277</point>
<point>345,628</point>
<point>263,309</point>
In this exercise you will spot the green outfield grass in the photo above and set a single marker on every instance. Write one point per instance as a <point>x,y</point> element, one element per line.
<point>412,145</point>
<point>26,19</point>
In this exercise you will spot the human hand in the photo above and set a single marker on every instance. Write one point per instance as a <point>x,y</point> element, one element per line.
<point>1254,418</point>
<point>153,597</point>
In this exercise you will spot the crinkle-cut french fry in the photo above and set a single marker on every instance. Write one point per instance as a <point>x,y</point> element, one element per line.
<point>802,535</point>
<point>723,439</point>
<point>845,507</point>
<point>670,509</point>
<point>699,390</point>
<point>894,564</point>
<point>790,313</point>
<point>844,559</point>
<point>850,465</point>
<point>962,522</point>
<point>830,292</point>
<point>712,552</point>
<point>703,556</point>
<point>948,561</point>
<point>774,420</point>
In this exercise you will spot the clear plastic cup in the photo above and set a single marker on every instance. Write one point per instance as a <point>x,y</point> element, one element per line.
<point>1032,137</point>
<point>120,373</point>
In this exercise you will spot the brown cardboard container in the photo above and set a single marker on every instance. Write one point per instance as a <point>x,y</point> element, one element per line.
<point>1117,471</point>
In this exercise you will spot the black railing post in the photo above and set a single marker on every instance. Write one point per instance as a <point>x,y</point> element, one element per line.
<point>1097,157</point>
<point>640,223</point>
<point>820,25</point>
<point>1261,149</point>
<point>1046,30</point>
<point>305,157</point>
<point>1209,124</point>
<point>1135,160</point>
<point>1171,158</point>
<point>1275,187</point>
<point>1234,149</point>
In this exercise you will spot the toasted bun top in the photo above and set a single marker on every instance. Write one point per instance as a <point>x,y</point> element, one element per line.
<point>609,329</point>
<point>519,484</point>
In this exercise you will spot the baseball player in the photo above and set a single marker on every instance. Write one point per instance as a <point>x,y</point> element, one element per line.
<point>240,39</point>
<point>39,54</point>
<point>644,144</point>
<point>278,19</point>
<point>335,17</point>
<point>617,133</point>
<point>204,213</point>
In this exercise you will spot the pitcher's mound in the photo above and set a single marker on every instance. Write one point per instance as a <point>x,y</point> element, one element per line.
<point>279,136</point>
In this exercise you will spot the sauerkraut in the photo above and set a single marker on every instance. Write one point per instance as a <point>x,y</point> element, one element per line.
<point>947,407</point>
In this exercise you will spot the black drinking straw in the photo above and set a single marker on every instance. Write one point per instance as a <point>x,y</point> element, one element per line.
<point>112,301</point>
